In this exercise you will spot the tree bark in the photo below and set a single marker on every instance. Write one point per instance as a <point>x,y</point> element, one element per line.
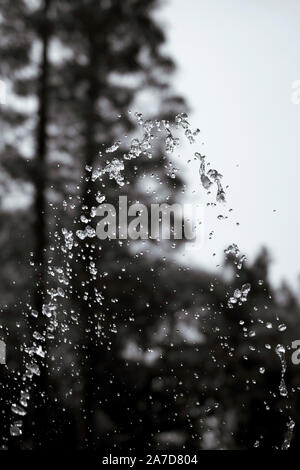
<point>40,211</point>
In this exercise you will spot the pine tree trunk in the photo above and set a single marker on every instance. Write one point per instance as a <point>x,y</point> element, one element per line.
<point>88,307</point>
<point>40,184</point>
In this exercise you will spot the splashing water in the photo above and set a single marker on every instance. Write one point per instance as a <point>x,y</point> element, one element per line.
<point>280,351</point>
<point>234,251</point>
<point>288,435</point>
<point>239,296</point>
<point>36,353</point>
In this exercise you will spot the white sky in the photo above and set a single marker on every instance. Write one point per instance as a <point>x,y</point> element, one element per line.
<point>236,64</point>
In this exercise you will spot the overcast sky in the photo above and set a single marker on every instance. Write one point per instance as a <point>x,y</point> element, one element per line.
<point>237,61</point>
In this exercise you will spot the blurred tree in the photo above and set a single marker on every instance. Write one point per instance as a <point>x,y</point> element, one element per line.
<point>23,28</point>
<point>84,63</point>
<point>114,54</point>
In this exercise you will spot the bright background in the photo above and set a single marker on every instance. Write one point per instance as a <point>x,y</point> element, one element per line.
<point>236,62</point>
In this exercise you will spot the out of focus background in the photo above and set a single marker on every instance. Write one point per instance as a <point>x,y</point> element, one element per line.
<point>141,350</point>
<point>236,66</point>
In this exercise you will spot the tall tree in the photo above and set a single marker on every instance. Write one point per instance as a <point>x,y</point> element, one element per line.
<point>110,45</point>
<point>25,52</point>
<point>26,30</point>
<point>80,93</point>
